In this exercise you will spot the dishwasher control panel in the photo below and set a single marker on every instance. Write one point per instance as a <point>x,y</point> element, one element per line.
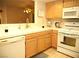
<point>11,40</point>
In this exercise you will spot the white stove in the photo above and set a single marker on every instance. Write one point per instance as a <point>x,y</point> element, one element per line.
<point>69,31</point>
<point>68,39</point>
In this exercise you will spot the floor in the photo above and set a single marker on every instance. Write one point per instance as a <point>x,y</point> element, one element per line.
<point>51,53</point>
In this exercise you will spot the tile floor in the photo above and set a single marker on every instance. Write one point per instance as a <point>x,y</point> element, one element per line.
<point>51,53</point>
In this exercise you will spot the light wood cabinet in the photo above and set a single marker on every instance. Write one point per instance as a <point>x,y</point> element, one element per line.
<point>76,2</point>
<point>37,42</point>
<point>48,42</point>
<point>50,10</point>
<point>54,9</point>
<point>54,38</point>
<point>41,44</point>
<point>44,41</point>
<point>70,3</point>
<point>58,9</point>
<point>31,47</point>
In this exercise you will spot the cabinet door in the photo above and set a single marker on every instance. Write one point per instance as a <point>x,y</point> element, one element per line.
<point>41,44</point>
<point>68,3</point>
<point>54,39</point>
<point>58,6</point>
<point>31,47</point>
<point>48,42</point>
<point>54,9</point>
<point>50,10</point>
<point>76,2</point>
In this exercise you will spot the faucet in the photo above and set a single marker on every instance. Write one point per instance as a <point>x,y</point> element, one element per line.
<point>19,27</point>
<point>27,23</point>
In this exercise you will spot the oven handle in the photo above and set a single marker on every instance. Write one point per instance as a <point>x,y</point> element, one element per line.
<point>69,34</point>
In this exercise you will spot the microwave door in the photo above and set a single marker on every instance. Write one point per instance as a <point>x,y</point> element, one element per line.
<point>70,14</point>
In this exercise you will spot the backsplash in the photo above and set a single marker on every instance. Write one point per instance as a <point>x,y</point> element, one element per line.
<point>15,27</point>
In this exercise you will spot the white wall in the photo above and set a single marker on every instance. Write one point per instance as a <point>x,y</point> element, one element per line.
<point>40,6</point>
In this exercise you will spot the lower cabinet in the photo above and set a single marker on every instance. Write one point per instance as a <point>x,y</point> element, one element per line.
<point>48,42</point>
<point>54,38</point>
<point>37,42</point>
<point>41,44</point>
<point>44,42</point>
<point>31,47</point>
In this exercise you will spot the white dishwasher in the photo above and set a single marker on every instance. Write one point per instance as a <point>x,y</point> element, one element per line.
<point>13,47</point>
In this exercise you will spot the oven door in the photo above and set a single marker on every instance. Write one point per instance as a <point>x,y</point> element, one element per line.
<point>68,41</point>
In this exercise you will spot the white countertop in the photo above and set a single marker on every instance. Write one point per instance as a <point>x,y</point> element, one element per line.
<point>20,32</point>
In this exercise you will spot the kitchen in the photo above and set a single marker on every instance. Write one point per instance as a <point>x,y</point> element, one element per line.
<point>51,32</point>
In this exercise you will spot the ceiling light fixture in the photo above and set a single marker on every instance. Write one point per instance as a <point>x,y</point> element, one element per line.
<point>28,10</point>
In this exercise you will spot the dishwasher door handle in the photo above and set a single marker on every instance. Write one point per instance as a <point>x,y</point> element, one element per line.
<point>4,41</point>
<point>15,41</point>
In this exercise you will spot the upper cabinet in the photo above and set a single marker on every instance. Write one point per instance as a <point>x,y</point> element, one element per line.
<point>76,2</point>
<point>70,3</point>
<point>54,9</point>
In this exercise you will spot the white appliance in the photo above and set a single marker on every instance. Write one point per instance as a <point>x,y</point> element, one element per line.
<point>72,12</point>
<point>12,47</point>
<point>68,39</point>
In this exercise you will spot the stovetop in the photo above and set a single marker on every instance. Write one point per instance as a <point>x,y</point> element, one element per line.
<point>69,31</point>
<point>70,28</point>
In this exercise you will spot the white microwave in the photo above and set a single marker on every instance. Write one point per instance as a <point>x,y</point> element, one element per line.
<point>72,12</point>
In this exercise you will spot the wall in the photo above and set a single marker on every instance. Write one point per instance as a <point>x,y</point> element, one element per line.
<point>39,21</point>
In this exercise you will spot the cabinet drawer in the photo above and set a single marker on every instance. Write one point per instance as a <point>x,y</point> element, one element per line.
<point>29,36</point>
<point>55,31</point>
<point>42,33</point>
<point>34,35</point>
